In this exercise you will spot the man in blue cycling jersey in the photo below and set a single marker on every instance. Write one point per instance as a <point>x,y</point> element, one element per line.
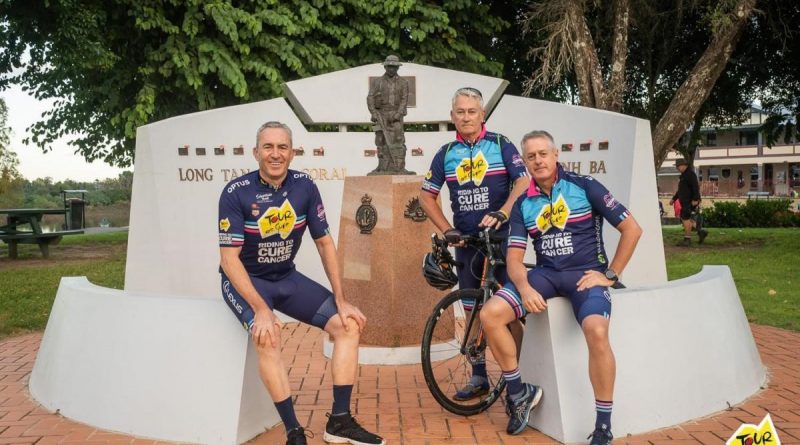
<point>262,218</point>
<point>484,175</point>
<point>562,213</point>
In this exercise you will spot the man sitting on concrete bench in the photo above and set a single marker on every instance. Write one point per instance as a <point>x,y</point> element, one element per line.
<point>262,218</point>
<point>562,213</point>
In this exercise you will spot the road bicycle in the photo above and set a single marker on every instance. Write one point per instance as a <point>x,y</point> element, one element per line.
<point>453,339</point>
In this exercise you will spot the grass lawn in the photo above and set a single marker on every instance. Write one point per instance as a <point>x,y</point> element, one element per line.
<point>28,285</point>
<point>765,264</point>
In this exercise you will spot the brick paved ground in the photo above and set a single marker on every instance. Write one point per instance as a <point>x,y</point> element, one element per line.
<point>393,401</point>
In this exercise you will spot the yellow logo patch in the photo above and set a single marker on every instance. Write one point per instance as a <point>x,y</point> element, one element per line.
<point>277,220</point>
<point>429,175</point>
<point>224,224</point>
<point>551,215</point>
<point>472,171</point>
<point>749,434</point>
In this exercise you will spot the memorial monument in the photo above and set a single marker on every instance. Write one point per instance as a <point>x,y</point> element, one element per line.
<point>192,378</point>
<point>379,244</point>
<point>387,102</point>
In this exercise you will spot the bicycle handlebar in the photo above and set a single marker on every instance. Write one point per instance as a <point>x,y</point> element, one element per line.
<point>494,241</point>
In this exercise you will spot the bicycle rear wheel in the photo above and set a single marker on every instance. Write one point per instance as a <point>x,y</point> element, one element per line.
<point>447,361</point>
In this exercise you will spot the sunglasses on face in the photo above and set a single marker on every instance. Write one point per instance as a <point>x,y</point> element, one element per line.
<point>472,90</point>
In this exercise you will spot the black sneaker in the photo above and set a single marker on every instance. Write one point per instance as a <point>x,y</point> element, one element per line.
<point>471,391</point>
<point>686,242</point>
<point>703,233</point>
<point>345,429</point>
<point>601,436</point>
<point>522,407</point>
<point>297,436</point>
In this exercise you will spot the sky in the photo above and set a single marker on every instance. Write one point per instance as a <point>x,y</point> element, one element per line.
<point>61,163</point>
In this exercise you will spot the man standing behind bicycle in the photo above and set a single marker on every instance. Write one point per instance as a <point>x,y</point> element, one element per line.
<point>485,175</point>
<point>562,213</point>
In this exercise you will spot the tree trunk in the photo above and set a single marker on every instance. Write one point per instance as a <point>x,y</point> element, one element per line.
<point>619,55</point>
<point>694,137</point>
<point>584,53</point>
<point>591,83</point>
<point>696,88</point>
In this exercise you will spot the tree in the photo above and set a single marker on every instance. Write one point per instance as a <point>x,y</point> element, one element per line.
<point>782,93</point>
<point>601,72</point>
<point>10,179</point>
<point>114,65</point>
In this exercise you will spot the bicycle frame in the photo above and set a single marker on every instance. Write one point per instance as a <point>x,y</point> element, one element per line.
<point>488,281</point>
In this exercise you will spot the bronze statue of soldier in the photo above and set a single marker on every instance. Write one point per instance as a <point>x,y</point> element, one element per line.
<point>387,101</point>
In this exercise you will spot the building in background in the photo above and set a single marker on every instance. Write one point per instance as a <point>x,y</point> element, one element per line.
<point>734,161</point>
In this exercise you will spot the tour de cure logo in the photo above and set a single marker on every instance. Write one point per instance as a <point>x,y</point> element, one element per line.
<point>472,169</point>
<point>762,434</point>
<point>553,215</point>
<point>277,220</point>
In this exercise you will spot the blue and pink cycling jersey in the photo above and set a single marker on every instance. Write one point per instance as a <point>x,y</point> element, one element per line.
<point>566,226</point>
<point>479,176</point>
<point>268,223</point>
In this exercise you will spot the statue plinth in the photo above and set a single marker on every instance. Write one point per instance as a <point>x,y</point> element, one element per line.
<point>381,269</point>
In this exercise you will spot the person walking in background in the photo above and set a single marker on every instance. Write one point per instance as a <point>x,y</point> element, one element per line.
<point>688,195</point>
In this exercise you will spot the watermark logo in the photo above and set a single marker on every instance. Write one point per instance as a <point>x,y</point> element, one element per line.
<point>749,434</point>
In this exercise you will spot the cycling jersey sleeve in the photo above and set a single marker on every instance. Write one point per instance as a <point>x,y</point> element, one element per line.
<point>315,214</point>
<point>518,235</point>
<point>512,160</point>
<point>604,203</point>
<point>434,179</point>
<point>231,220</point>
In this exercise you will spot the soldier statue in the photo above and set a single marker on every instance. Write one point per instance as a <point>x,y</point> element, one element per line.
<point>387,101</point>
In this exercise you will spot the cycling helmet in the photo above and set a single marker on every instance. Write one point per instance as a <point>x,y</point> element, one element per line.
<point>438,274</point>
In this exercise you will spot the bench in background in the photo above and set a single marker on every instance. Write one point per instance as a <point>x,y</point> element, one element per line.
<point>44,240</point>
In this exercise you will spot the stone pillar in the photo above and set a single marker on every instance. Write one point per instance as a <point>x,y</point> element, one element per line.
<point>382,270</point>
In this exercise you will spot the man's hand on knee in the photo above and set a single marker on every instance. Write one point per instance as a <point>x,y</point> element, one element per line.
<point>266,328</point>
<point>348,311</point>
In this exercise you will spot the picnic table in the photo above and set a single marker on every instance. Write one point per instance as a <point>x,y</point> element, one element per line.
<point>15,231</point>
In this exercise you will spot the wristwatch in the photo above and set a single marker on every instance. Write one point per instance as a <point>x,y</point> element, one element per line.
<point>611,275</point>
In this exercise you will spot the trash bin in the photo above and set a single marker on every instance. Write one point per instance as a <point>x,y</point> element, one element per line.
<point>75,209</point>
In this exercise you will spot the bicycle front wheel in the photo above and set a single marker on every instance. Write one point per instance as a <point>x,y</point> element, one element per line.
<point>449,352</point>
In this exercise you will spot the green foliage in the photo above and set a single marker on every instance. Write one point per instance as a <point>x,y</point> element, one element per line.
<point>44,193</point>
<point>763,263</point>
<point>780,127</point>
<point>782,90</point>
<point>752,213</point>
<point>10,178</point>
<point>114,65</point>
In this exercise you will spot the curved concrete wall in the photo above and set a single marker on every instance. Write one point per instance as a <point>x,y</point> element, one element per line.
<point>684,350</point>
<point>169,368</point>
